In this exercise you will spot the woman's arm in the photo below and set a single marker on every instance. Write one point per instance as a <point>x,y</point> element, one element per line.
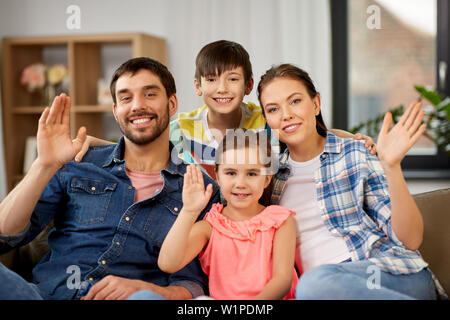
<point>406,219</point>
<point>283,262</point>
<point>186,238</point>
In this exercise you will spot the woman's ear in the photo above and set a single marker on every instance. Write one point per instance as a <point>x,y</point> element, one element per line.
<point>198,87</point>
<point>317,104</point>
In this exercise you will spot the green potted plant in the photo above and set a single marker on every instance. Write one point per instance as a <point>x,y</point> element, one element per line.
<point>437,118</point>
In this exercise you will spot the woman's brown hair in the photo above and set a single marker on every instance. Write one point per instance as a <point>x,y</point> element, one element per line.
<point>292,72</point>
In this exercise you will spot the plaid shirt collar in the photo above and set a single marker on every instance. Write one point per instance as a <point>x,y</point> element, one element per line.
<point>333,144</point>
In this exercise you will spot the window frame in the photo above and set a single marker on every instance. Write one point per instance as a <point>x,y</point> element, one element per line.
<point>414,166</point>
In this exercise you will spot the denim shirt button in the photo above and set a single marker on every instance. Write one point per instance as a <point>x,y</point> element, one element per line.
<point>175,209</point>
<point>120,168</point>
<point>127,218</point>
<point>130,187</point>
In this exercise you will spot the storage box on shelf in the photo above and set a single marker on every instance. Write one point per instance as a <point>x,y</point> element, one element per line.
<point>86,57</point>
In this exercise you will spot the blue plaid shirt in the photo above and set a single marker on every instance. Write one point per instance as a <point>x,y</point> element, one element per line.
<point>354,201</point>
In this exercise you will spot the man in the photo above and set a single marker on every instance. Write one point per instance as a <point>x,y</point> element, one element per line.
<point>113,210</point>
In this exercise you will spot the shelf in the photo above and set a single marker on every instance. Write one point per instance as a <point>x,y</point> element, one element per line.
<point>75,109</point>
<point>28,110</point>
<point>92,108</point>
<point>88,59</point>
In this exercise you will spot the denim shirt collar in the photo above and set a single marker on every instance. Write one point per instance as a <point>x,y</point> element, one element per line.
<point>175,168</point>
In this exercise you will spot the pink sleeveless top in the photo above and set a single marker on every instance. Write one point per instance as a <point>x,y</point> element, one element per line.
<point>238,257</point>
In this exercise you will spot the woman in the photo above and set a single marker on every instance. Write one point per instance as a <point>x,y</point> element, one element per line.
<point>358,226</point>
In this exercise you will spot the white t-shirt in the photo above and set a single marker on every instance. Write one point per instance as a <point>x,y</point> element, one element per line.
<point>316,245</point>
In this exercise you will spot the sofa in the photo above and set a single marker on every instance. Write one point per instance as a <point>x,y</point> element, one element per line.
<point>435,248</point>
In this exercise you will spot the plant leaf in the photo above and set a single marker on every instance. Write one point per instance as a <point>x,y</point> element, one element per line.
<point>431,96</point>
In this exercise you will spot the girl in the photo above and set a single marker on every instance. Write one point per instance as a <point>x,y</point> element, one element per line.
<point>358,226</point>
<point>246,249</point>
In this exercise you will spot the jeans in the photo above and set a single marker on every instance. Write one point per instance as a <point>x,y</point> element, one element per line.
<point>145,295</point>
<point>363,280</point>
<point>14,287</point>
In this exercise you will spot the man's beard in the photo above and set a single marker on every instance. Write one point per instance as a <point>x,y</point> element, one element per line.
<point>162,122</point>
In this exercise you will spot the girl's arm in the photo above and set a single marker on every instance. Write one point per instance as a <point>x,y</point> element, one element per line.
<point>186,238</point>
<point>283,262</point>
<point>90,142</point>
<point>406,219</point>
<point>183,243</point>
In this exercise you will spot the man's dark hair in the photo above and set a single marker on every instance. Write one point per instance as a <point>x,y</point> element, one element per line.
<point>136,64</point>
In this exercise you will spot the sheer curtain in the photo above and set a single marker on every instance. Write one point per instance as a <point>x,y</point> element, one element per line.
<point>272,31</point>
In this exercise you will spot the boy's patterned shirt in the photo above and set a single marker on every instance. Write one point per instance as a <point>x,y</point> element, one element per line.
<point>194,140</point>
<point>354,201</point>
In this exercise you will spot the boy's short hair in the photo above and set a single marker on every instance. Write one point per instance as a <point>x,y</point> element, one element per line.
<point>135,64</point>
<point>219,56</point>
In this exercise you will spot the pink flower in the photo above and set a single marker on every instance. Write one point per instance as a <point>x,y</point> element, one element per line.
<point>33,77</point>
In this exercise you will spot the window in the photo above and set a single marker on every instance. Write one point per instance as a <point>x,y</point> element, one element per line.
<point>381,49</point>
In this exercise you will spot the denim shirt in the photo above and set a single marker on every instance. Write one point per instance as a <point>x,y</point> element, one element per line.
<point>100,230</point>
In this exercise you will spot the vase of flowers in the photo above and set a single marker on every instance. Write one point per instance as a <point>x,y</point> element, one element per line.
<point>34,78</point>
<point>55,76</point>
<point>45,80</point>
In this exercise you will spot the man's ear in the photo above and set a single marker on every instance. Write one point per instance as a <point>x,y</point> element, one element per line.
<point>249,86</point>
<point>173,104</point>
<point>317,103</point>
<point>115,112</point>
<point>198,87</point>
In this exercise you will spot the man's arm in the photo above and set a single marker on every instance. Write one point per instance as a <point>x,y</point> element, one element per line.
<point>55,148</point>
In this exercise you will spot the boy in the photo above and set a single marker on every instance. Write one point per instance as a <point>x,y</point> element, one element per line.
<point>223,77</point>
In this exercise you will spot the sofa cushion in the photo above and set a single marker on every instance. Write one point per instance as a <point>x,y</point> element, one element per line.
<point>435,248</point>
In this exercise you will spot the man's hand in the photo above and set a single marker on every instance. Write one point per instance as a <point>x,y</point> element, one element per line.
<point>394,143</point>
<point>114,288</point>
<point>54,145</point>
<point>117,288</point>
